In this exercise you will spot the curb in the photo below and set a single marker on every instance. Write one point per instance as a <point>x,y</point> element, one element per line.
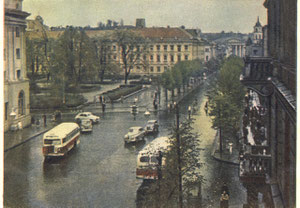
<point>225,161</point>
<point>217,158</point>
<point>26,140</point>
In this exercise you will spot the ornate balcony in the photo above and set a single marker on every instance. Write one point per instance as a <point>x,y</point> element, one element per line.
<point>257,70</point>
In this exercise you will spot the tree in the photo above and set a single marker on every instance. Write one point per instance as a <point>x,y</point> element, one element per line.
<point>104,50</point>
<point>182,166</point>
<point>131,47</point>
<point>73,57</point>
<point>225,99</point>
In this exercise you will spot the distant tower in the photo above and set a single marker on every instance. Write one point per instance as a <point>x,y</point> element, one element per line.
<point>257,33</point>
<point>140,23</point>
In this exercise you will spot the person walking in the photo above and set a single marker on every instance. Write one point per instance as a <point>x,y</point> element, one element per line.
<point>103,107</point>
<point>45,119</point>
<point>224,200</point>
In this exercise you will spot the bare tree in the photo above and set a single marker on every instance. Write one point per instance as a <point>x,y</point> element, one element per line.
<point>132,48</point>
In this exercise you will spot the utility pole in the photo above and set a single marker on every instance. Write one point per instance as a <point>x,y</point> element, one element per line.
<point>220,132</point>
<point>178,157</point>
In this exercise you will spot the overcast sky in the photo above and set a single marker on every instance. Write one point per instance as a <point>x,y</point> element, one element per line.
<point>207,15</point>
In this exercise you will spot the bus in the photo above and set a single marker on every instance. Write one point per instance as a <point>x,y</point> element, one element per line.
<point>61,139</point>
<point>147,159</point>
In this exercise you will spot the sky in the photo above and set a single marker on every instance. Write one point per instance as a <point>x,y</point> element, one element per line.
<point>207,15</point>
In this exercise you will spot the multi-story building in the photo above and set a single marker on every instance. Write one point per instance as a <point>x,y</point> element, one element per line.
<point>16,85</point>
<point>165,47</point>
<point>273,78</point>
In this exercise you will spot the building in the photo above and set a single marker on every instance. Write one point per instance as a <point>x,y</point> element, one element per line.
<point>273,79</point>
<point>255,43</point>
<point>165,47</point>
<point>16,85</point>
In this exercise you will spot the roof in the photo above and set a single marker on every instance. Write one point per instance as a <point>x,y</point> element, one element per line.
<point>159,143</point>
<point>61,130</point>
<point>258,23</point>
<point>161,32</point>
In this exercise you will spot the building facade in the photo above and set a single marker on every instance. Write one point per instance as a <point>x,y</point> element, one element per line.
<point>16,85</point>
<point>165,47</point>
<point>273,77</point>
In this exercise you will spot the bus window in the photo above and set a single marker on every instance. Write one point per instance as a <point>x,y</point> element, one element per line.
<point>154,159</point>
<point>144,159</point>
<point>52,141</point>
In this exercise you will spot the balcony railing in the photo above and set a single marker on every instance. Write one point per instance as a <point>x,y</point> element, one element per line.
<point>257,69</point>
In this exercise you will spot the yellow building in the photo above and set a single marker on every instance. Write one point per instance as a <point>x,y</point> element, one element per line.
<point>165,47</point>
<point>16,85</point>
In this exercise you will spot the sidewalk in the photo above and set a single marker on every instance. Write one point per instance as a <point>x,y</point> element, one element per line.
<point>225,157</point>
<point>13,139</point>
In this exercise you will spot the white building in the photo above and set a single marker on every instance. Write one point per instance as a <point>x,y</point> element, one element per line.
<point>16,84</point>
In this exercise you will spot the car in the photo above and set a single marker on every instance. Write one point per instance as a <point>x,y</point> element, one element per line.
<point>86,125</point>
<point>152,126</point>
<point>87,115</point>
<point>134,134</point>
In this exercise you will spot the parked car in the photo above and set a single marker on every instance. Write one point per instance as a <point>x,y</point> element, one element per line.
<point>135,134</point>
<point>86,125</point>
<point>152,126</point>
<point>87,115</point>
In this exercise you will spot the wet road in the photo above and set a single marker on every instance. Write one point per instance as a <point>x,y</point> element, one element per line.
<point>100,171</point>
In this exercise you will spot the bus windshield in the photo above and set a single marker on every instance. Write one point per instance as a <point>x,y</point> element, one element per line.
<point>52,141</point>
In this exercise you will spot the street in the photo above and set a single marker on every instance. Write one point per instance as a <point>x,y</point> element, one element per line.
<point>100,171</point>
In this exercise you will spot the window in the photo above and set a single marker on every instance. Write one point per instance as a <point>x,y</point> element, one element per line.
<point>151,47</point>
<point>151,57</point>
<point>158,58</point>
<point>18,53</point>
<point>17,32</point>
<point>186,57</point>
<point>158,47</point>
<point>165,58</point>
<point>114,48</point>
<point>144,159</point>
<point>172,58</point>
<point>6,110</point>
<point>18,74</point>
<point>179,58</point>
<point>115,57</point>
<point>179,48</point>
<point>21,103</point>
<point>172,47</point>
<point>165,68</point>
<point>165,47</point>
<point>158,69</point>
<point>206,49</point>
<point>151,69</point>
<point>186,47</point>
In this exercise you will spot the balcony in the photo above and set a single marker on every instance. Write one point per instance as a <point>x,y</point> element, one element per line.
<point>257,70</point>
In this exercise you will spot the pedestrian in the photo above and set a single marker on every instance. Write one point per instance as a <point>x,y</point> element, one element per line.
<point>206,108</point>
<point>100,99</point>
<point>103,107</point>
<point>224,200</point>
<point>45,119</point>
<point>37,122</point>
<point>32,120</point>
